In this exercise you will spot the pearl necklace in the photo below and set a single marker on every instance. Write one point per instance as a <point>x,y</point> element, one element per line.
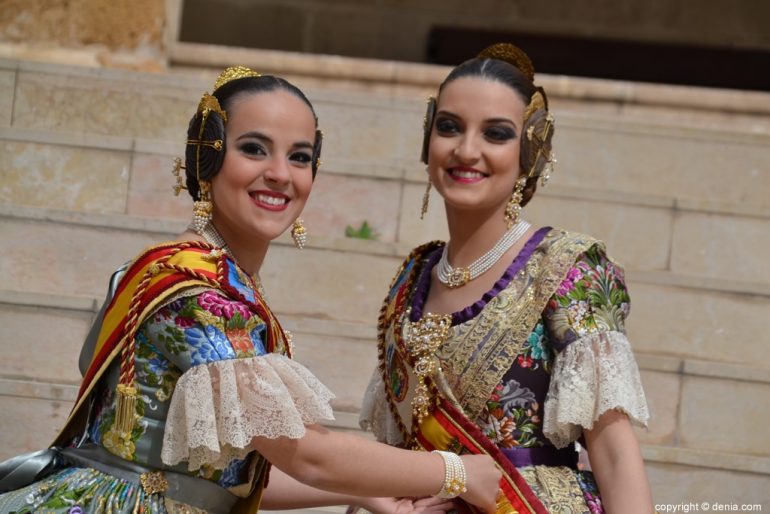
<point>458,277</point>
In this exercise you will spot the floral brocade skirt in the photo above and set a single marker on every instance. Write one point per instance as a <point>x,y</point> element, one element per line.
<point>564,490</point>
<point>87,491</point>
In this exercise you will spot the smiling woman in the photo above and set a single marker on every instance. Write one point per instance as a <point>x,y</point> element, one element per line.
<point>189,392</point>
<point>506,340</point>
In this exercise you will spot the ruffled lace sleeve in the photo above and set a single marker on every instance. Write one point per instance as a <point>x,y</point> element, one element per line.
<point>219,408</point>
<point>375,414</point>
<point>592,375</point>
<point>594,370</point>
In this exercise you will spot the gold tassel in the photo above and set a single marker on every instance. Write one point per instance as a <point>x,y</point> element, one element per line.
<point>125,409</point>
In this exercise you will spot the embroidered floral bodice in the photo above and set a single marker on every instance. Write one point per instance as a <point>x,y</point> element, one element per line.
<point>207,387</point>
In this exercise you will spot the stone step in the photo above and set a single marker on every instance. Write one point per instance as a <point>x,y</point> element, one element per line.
<point>672,313</point>
<point>368,134</point>
<point>682,392</point>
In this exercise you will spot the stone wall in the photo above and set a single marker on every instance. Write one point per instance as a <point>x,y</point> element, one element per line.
<point>674,179</point>
<point>116,33</point>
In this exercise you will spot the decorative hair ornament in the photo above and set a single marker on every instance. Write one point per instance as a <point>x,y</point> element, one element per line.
<point>511,54</point>
<point>210,103</point>
<point>427,126</point>
<point>539,140</point>
<point>234,73</point>
<point>176,171</point>
<point>536,102</point>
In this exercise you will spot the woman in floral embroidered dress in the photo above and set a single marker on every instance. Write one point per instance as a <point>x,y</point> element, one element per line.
<point>519,352</point>
<point>189,392</point>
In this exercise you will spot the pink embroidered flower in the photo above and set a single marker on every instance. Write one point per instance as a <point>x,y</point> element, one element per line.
<point>219,306</point>
<point>565,287</point>
<point>574,275</point>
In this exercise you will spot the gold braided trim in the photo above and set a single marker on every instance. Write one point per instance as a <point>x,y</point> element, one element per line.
<point>234,73</point>
<point>511,54</point>
<point>472,370</point>
<point>388,334</point>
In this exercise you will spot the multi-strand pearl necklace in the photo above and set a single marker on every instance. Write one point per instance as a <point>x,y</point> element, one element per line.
<point>457,277</point>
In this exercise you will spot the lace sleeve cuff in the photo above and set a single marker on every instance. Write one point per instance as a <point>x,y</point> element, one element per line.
<point>219,408</point>
<point>375,414</point>
<point>594,374</point>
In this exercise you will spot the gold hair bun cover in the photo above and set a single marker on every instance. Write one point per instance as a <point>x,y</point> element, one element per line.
<point>234,73</point>
<point>512,55</point>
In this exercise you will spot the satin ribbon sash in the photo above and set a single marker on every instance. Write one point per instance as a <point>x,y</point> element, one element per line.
<point>448,429</point>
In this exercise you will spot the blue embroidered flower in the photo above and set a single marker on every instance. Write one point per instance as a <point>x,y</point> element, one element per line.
<point>157,366</point>
<point>208,344</point>
<point>257,337</point>
<point>535,341</point>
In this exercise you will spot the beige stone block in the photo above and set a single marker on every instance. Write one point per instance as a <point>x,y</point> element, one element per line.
<point>60,177</point>
<point>107,103</point>
<point>357,138</point>
<point>685,486</point>
<point>413,231</point>
<point>44,102</point>
<point>343,365</point>
<point>150,189</point>
<point>725,415</point>
<point>662,392</point>
<point>41,420</point>
<point>161,115</point>
<point>637,236</point>
<point>7,84</point>
<point>722,246</point>
<point>684,164</point>
<point>702,325</point>
<point>48,257</point>
<point>327,284</point>
<point>56,335</point>
<point>339,200</point>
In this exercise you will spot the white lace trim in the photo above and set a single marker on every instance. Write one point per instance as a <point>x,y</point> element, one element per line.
<point>592,375</point>
<point>376,415</point>
<point>218,408</point>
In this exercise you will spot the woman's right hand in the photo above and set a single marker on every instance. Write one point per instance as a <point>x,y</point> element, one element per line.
<point>482,482</point>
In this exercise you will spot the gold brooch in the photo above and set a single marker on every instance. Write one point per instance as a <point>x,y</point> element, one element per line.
<point>424,337</point>
<point>153,482</point>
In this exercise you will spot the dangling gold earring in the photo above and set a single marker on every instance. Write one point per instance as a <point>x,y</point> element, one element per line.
<point>299,233</point>
<point>425,200</point>
<point>513,209</point>
<point>202,208</point>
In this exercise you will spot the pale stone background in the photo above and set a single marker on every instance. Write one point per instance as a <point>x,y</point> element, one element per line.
<point>675,179</point>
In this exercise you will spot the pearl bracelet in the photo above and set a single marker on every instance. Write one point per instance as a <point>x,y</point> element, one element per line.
<point>454,475</point>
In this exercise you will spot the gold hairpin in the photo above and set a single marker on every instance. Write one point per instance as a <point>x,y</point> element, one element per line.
<point>176,171</point>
